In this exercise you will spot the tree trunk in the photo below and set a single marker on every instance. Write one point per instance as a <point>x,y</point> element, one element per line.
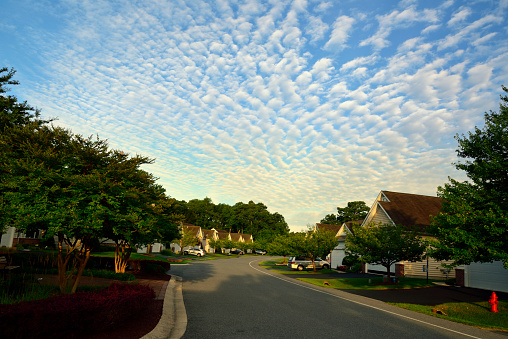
<point>82,264</point>
<point>388,272</point>
<point>63,261</point>
<point>122,255</point>
<point>313,264</point>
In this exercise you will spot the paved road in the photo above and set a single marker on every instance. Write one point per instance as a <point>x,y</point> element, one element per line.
<point>235,298</point>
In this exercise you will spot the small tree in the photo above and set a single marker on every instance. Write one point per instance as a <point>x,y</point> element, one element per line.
<point>385,244</point>
<point>315,244</point>
<point>216,244</point>
<point>228,244</point>
<point>283,245</point>
<point>186,238</point>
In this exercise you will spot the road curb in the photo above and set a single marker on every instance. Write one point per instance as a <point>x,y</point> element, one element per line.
<point>173,322</point>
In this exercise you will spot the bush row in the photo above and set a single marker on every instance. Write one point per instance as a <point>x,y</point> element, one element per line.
<point>44,261</point>
<point>70,315</point>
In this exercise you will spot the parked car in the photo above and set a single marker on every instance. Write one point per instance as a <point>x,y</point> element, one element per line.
<point>301,263</point>
<point>194,251</point>
<point>262,252</point>
<point>237,251</point>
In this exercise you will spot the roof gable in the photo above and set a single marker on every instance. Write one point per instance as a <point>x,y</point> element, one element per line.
<point>410,209</point>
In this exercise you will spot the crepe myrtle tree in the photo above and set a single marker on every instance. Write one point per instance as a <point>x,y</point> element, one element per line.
<point>385,244</point>
<point>58,182</point>
<point>473,223</point>
<point>283,245</point>
<point>314,244</point>
<point>185,237</point>
<point>216,244</point>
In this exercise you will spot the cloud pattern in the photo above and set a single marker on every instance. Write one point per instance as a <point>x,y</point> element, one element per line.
<point>302,105</point>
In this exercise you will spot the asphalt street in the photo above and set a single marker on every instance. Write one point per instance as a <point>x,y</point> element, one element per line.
<point>235,298</point>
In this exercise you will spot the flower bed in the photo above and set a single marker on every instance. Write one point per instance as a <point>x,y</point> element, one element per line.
<point>74,314</point>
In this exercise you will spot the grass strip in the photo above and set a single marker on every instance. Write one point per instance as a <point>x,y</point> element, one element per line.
<point>470,313</point>
<point>367,283</point>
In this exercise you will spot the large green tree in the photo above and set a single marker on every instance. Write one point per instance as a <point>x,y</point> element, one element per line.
<point>73,188</point>
<point>473,223</point>
<point>355,210</point>
<point>385,244</point>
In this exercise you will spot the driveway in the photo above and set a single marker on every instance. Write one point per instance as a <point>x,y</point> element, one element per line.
<point>235,298</point>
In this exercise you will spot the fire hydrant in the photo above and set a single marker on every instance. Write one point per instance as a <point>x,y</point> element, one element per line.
<point>493,302</point>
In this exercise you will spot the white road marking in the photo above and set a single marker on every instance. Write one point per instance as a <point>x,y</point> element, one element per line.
<point>357,302</point>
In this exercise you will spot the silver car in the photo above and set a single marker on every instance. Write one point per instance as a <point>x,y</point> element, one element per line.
<point>301,263</point>
<point>194,251</point>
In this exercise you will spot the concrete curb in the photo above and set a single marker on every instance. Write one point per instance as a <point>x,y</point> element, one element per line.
<point>173,322</point>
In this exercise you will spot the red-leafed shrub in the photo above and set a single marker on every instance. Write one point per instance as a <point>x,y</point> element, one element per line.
<point>74,314</point>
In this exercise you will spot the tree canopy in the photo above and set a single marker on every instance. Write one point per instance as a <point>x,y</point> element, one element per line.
<point>385,244</point>
<point>74,188</point>
<point>248,218</point>
<point>314,244</point>
<point>355,210</point>
<point>473,223</point>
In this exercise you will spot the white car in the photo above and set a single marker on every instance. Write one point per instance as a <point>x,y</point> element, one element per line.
<point>301,263</point>
<point>194,251</point>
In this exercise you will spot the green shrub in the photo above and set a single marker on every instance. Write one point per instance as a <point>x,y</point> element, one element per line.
<point>350,260</point>
<point>167,253</point>
<point>355,268</point>
<point>152,268</point>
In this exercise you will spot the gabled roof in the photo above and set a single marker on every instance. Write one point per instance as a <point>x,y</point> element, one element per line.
<point>349,224</point>
<point>328,228</point>
<point>247,238</point>
<point>409,209</point>
<point>236,236</point>
<point>223,235</point>
<point>208,234</point>
<point>190,227</point>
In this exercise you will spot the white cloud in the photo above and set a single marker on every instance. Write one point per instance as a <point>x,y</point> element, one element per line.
<point>250,101</point>
<point>460,16</point>
<point>340,33</point>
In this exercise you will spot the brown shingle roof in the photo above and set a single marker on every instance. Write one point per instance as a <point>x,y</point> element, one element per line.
<point>223,235</point>
<point>208,233</point>
<point>328,227</point>
<point>235,236</point>
<point>350,224</point>
<point>247,237</point>
<point>411,209</point>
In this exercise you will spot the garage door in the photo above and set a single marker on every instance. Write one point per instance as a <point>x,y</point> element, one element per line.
<point>488,276</point>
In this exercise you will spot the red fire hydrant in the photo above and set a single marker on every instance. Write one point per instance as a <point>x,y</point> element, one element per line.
<point>493,302</point>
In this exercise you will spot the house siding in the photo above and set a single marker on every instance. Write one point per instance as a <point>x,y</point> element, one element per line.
<point>381,218</point>
<point>436,271</point>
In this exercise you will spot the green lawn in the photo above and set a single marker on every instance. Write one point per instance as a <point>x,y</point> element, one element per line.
<point>474,314</point>
<point>367,283</point>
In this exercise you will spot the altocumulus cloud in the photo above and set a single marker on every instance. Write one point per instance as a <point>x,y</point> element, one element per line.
<point>301,105</point>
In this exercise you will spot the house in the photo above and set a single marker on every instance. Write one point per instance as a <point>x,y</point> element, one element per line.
<point>196,232</point>
<point>412,210</point>
<point>337,254</point>
<point>341,231</point>
<point>13,237</point>
<point>207,236</point>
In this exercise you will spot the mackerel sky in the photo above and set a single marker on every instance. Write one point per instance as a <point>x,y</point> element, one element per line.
<point>302,105</point>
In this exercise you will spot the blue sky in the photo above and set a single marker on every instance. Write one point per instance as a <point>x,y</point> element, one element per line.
<point>302,105</point>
